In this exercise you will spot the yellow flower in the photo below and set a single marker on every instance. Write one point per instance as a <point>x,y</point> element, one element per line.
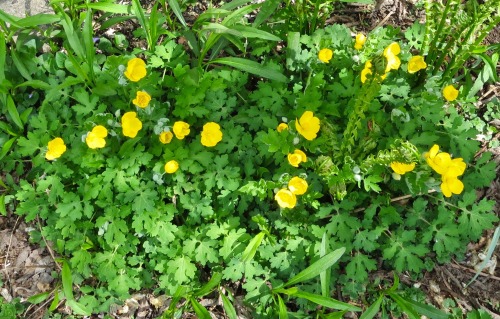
<point>181,129</point>
<point>325,55</point>
<point>95,138</point>
<point>439,162</point>
<point>297,185</point>
<point>451,185</point>
<point>285,198</point>
<point>402,168</point>
<point>131,124</point>
<point>296,158</point>
<point>367,70</point>
<point>450,93</point>
<point>55,149</point>
<point>390,53</point>
<point>166,137</point>
<point>308,125</point>
<point>282,127</point>
<point>142,99</point>
<point>416,64</point>
<point>171,166</point>
<point>136,69</point>
<point>211,134</point>
<point>360,41</point>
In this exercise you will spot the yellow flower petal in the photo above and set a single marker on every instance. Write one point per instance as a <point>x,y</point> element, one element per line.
<point>211,134</point>
<point>136,69</point>
<point>171,167</point>
<point>181,129</point>
<point>94,141</point>
<point>100,131</point>
<point>308,125</point>
<point>416,64</point>
<point>402,168</point>
<point>142,99</point>
<point>450,93</point>
<point>166,137</point>
<point>131,125</point>
<point>297,185</point>
<point>294,159</point>
<point>325,55</point>
<point>285,198</point>
<point>281,127</point>
<point>360,41</point>
<point>55,148</point>
<point>451,185</point>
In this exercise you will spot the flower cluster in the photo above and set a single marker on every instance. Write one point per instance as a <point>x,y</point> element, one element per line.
<point>448,168</point>
<point>286,197</point>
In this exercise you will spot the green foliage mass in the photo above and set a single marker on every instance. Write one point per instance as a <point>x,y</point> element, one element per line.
<point>122,223</point>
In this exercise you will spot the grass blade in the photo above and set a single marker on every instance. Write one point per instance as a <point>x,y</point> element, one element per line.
<point>3,209</point>
<point>209,286</point>
<point>491,249</point>
<point>252,247</point>
<point>405,306</point>
<point>67,281</point>
<point>267,9</point>
<point>38,19</point>
<point>427,310</point>
<point>139,13</point>
<point>3,54</point>
<point>372,311</point>
<point>316,268</point>
<point>109,7</point>
<point>200,311</point>
<point>325,275</point>
<point>283,314</point>
<point>20,65</point>
<point>251,32</point>
<point>177,11</point>
<point>325,301</point>
<point>228,307</point>
<point>78,308</point>
<point>5,149</point>
<point>252,67</point>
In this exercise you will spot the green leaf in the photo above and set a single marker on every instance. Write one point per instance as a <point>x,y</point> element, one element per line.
<point>316,268</point>
<point>325,275</point>
<point>359,266</point>
<point>37,84</point>
<point>20,65</point>
<point>38,19</point>
<point>373,310</point>
<point>427,310</point>
<point>3,54</point>
<point>209,286</point>
<point>200,311</point>
<point>252,247</point>
<point>283,314</point>
<point>67,281</point>
<point>177,11</point>
<point>108,7</point>
<point>38,298</point>
<point>78,308</point>
<point>325,301</point>
<point>6,147</point>
<point>252,67</point>
<point>251,32</point>
<point>182,269</point>
<point>406,307</point>
<point>3,209</point>
<point>228,307</point>
<point>266,10</point>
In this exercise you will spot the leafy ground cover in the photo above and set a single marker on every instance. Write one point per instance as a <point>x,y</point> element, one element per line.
<point>236,158</point>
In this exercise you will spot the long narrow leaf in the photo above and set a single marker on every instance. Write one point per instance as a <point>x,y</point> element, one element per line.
<point>72,36</point>
<point>5,149</point>
<point>38,19</point>
<point>88,34</point>
<point>67,281</point>
<point>252,247</point>
<point>372,311</point>
<point>14,114</point>
<point>238,14</point>
<point>78,308</point>
<point>139,13</point>
<point>315,269</point>
<point>20,65</point>
<point>228,307</point>
<point>209,286</point>
<point>200,311</point>
<point>3,54</point>
<point>427,310</point>
<point>7,129</point>
<point>251,32</point>
<point>10,19</point>
<point>267,9</point>
<point>219,28</point>
<point>36,84</point>
<point>491,249</point>
<point>3,209</point>
<point>234,4</point>
<point>177,11</point>
<point>283,313</point>
<point>325,275</point>
<point>406,307</point>
<point>252,67</point>
<point>325,301</point>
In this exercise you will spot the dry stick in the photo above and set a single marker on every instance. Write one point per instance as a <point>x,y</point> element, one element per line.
<point>8,249</point>
<point>385,19</point>
<point>47,244</point>
<point>473,271</point>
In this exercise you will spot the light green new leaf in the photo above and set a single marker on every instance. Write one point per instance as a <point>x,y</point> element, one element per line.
<point>78,308</point>
<point>201,311</point>
<point>283,314</point>
<point>177,11</point>
<point>6,147</point>
<point>315,269</point>
<point>108,7</point>
<point>372,311</point>
<point>67,281</point>
<point>252,67</point>
<point>38,298</point>
<point>209,286</point>
<point>252,247</point>
<point>325,301</point>
<point>228,307</point>
<point>3,209</point>
<point>14,114</point>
